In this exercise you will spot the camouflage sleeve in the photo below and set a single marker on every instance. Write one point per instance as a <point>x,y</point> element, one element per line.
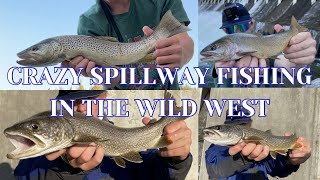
<point>177,10</point>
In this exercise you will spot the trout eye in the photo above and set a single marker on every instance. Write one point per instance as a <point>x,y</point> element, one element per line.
<point>34,49</point>
<point>34,126</point>
<point>213,47</point>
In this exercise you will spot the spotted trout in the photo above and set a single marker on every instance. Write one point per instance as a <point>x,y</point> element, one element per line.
<point>104,51</point>
<point>42,134</point>
<point>226,135</point>
<point>238,45</point>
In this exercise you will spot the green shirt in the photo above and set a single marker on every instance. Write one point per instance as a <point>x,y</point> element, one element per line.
<point>141,13</point>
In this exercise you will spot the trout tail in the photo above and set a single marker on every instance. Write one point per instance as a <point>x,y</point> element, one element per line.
<point>171,25</point>
<point>296,26</point>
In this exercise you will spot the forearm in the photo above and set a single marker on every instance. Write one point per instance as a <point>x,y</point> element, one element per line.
<point>280,167</point>
<point>187,47</point>
<point>228,166</point>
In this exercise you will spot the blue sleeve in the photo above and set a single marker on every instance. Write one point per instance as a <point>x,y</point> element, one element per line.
<point>157,167</point>
<point>279,166</point>
<point>220,164</point>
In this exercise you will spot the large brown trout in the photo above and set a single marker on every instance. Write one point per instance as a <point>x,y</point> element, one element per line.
<point>104,51</point>
<point>42,134</point>
<point>238,45</point>
<point>226,135</point>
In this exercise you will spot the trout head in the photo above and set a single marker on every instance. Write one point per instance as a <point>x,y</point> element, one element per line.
<point>223,135</point>
<point>38,135</point>
<point>221,50</point>
<point>45,53</point>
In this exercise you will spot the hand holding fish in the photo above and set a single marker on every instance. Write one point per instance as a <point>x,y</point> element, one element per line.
<point>172,52</point>
<point>301,49</point>
<point>299,156</point>
<point>180,135</point>
<point>80,62</point>
<point>253,151</point>
<point>81,156</point>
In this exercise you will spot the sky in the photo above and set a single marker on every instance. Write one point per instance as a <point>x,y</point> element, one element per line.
<point>25,23</point>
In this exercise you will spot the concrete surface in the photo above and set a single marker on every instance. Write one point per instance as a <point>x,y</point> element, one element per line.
<point>290,110</point>
<point>17,105</point>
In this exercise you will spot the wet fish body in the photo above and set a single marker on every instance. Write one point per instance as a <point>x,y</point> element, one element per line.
<point>42,134</point>
<point>238,45</point>
<point>105,51</point>
<point>226,135</point>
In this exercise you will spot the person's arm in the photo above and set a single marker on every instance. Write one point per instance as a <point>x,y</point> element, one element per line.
<point>179,169</point>
<point>220,164</point>
<point>279,167</point>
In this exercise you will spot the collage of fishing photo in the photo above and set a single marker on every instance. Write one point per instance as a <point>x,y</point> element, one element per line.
<point>160,90</point>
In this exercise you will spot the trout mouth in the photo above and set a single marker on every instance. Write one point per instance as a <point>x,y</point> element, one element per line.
<point>209,56</point>
<point>24,145</point>
<point>206,54</point>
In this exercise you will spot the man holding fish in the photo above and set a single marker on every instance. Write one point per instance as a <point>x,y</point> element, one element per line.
<point>89,161</point>
<point>134,19</point>
<point>246,160</point>
<point>299,51</point>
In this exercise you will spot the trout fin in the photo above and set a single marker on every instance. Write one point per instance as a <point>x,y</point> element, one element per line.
<point>269,131</point>
<point>298,145</point>
<point>107,38</point>
<point>296,25</point>
<point>282,152</point>
<point>171,24</point>
<point>119,161</point>
<point>152,121</point>
<point>273,155</point>
<point>132,156</point>
<point>167,96</point>
<point>163,142</point>
<point>148,58</point>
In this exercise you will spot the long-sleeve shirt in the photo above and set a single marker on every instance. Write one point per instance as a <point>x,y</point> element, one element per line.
<point>153,167</point>
<point>221,165</point>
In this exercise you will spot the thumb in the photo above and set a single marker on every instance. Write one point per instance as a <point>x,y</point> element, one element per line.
<point>147,31</point>
<point>145,120</point>
<point>278,28</point>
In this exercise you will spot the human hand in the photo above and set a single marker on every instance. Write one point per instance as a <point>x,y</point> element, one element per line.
<point>80,62</point>
<point>302,49</point>
<point>80,156</point>
<point>253,151</point>
<point>299,156</point>
<point>180,135</point>
<point>168,52</point>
